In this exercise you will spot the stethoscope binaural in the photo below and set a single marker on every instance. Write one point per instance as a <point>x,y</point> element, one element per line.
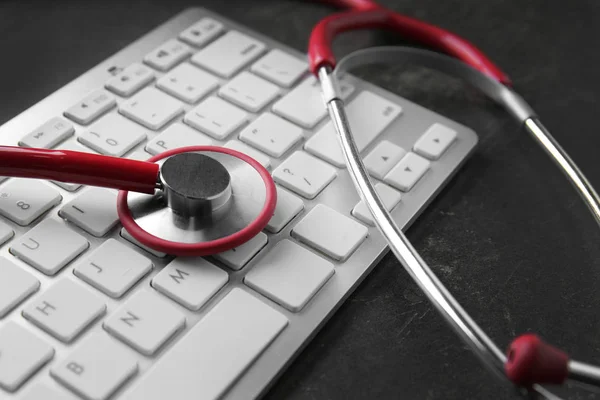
<point>204,200</point>
<point>190,201</point>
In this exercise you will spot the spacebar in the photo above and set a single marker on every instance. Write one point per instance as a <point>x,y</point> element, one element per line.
<point>207,361</point>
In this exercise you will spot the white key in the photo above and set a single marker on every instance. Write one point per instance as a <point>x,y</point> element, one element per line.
<point>6,233</point>
<point>177,135</point>
<point>249,91</point>
<point>271,134</point>
<point>288,206</point>
<point>72,146</point>
<point>96,368</point>
<point>238,257</point>
<point>228,54</point>
<point>201,32</point>
<point>24,200</point>
<point>113,268</point>
<point>190,281</point>
<point>167,55</point>
<point>389,196</point>
<point>21,354</point>
<point>113,135</point>
<point>41,391</point>
<point>330,232</point>
<point>249,151</point>
<point>126,235</point>
<point>94,211</point>
<point>188,83</point>
<point>304,174</point>
<point>303,105</point>
<point>216,117</point>
<point>139,155</point>
<point>435,141</point>
<point>49,246</point>
<point>151,108</point>
<point>130,80</point>
<point>15,286</point>
<point>65,309</point>
<point>145,322</point>
<point>408,171</point>
<point>368,115</point>
<point>91,107</point>
<point>48,135</point>
<point>289,275</point>
<point>280,68</point>
<point>205,362</point>
<point>382,158</point>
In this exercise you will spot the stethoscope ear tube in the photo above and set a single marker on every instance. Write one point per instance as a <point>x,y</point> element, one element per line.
<point>531,362</point>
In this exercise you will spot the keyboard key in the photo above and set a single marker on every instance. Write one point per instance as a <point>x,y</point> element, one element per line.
<point>435,141</point>
<point>48,135</point>
<point>201,32</point>
<point>113,268</point>
<point>188,83</point>
<point>216,117</point>
<point>191,282</point>
<point>41,391</point>
<point>132,240</point>
<point>151,108</point>
<point>113,135</point>
<point>21,354</point>
<point>389,196</point>
<point>289,275</point>
<point>91,107</point>
<point>206,361</point>
<point>249,91</point>
<point>167,55</point>
<point>304,105</point>
<point>177,135</point>
<point>96,368</point>
<point>408,171</point>
<point>72,146</point>
<point>330,232</point>
<point>288,206</point>
<point>228,54</point>
<point>304,174</point>
<point>94,211</point>
<point>368,114</point>
<point>139,155</point>
<point>130,80</point>
<point>271,134</point>
<point>6,233</point>
<point>382,158</point>
<point>24,200</point>
<point>145,322</point>
<point>280,68</point>
<point>15,286</point>
<point>65,309</point>
<point>238,257</point>
<point>49,246</point>
<point>249,151</point>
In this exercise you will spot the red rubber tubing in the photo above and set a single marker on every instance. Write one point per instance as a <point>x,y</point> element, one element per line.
<point>368,15</point>
<point>78,167</point>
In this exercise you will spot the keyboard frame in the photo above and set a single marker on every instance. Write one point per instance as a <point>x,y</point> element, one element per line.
<point>348,275</point>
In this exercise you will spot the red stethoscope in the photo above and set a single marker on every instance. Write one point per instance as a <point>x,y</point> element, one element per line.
<point>204,200</point>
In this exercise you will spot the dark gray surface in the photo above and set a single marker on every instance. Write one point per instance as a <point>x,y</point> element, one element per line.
<point>508,236</point>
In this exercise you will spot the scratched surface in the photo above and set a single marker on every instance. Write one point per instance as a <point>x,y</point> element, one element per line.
<point>507,236</point>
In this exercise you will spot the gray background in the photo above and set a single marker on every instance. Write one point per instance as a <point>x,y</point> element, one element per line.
<point>508,235</point>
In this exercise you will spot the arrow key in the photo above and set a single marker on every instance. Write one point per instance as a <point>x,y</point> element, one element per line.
<point>382,158</point>
<point>408,171</point>
<point>435,141</point>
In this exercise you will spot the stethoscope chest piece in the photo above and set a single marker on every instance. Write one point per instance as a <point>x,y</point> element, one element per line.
<point>208,198</point>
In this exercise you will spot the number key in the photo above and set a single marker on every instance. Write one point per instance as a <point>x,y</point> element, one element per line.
<point>113,135</point>
<point>24,200</point>
<point>304,174</point>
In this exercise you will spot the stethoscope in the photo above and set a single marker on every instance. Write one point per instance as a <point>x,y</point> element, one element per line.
<point>202,200</point>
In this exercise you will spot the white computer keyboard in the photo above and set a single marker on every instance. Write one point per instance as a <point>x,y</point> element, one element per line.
<point>87,313</point>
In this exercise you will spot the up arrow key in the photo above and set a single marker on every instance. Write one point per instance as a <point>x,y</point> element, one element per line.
<point>407,169</point>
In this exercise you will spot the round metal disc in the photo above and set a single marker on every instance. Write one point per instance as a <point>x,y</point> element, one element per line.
<point>248,193</point>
